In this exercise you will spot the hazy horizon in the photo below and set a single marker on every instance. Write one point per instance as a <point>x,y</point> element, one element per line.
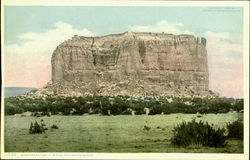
<point>16,91</point>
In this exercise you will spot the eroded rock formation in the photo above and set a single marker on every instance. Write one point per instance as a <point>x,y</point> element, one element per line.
<point>135,64</point>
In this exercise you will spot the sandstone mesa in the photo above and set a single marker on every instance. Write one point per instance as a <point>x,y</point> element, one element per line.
<point>134,64</point>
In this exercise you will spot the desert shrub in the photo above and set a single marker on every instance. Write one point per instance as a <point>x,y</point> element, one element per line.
<point>238,105</point>
<point>171,108</point>
<point>54,126</point>
<point>95,106</point>
<point>235,129</point>
<point>218,105</point>
<point>128,111</point>
<point>203,110</point>
<point>146,128</point>
<point>106,108</point>
<point>138,108</point>
<point>37,114</point>
<point>188,109</point>
<point>37,128</point>
<point>198,133</point>
<point>166,108</point>
<point>81,106</point>
<point>118,105</point>
<point>46,113</point>
<point>67,105</point>
<point>11,106</point>
<point>11,109</point>
<point>156,109</point>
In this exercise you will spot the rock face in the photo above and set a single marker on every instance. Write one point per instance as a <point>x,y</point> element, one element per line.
<point>135,64</point>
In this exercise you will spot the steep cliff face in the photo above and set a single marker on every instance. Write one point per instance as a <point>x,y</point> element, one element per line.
<point>136,64</point>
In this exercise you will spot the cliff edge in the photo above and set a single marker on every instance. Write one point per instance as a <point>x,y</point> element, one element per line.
<point>134,64</point>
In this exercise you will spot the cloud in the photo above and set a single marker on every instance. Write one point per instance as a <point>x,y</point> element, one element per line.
<point>27,63</point>
<point>162,26</point>
<point>30,60</point>
<point>225,62</point>
<point>217,36</point>
<point>221,43</point>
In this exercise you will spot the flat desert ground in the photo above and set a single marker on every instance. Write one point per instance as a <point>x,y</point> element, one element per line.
<point>121,133</point>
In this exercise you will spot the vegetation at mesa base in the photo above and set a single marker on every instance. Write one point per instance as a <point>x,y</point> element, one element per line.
<point>120,105</point>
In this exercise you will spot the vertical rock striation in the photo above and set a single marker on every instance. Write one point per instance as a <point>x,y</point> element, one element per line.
<point>135,64</point>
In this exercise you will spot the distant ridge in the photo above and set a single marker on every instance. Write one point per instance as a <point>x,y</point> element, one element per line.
<point>16,91</point>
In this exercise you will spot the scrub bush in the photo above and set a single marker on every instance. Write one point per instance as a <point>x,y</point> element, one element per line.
<point>138,108</point>
<point>198,133</point>
<point>54,126</point>
<point>235,129</point>
<point>119,104</point>
<point>156,109</point>
<point>37,128</point>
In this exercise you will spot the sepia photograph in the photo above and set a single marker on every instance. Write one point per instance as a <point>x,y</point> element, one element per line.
<point>123,79</point>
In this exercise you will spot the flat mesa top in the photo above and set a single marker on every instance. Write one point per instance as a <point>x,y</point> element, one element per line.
<point>131,64</point>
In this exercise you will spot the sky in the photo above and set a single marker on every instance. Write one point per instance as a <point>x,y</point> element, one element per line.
<point>32,33</point>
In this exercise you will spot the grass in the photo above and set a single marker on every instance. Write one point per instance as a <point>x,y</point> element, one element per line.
<point>123,133</point>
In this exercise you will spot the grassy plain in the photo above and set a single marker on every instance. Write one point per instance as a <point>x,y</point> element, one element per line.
<point>122,133</point>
